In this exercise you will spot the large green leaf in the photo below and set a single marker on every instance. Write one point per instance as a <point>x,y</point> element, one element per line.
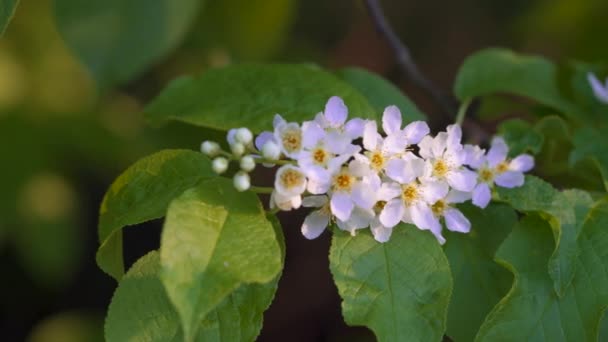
<point>7,9</point>
<point>380,93</point>
<point>141,311</point>
<point>398,289</point>
<point>143,192</point>
<point>214,240</point>
<point>250,95</point>
<point>531,311</point>
<point>521,137</point>
<point>118,39</point>
<point>567,210</point>
<point>479,282</point>
<point>502,71</point>
<point>593,144</point>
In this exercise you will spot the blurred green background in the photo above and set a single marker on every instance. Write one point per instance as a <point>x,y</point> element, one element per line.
<point>71,96</point>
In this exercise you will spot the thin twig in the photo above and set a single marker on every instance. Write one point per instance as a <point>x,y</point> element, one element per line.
<point>406,63</point>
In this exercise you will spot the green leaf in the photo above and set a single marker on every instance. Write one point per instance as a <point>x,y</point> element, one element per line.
<point>250,95</point>
<point>521,137</point>
<point>567,210</point>
<point>141,193</point>
<point>593,144</point>
<point>397,289</point>
<point>503,71</point>
<point>141,311</point>
<point>531,311</point>
<point>118,39</point>
<point>479,282</point>
<point>214,240</point>
<point>7,9</point>
<point>380,93</point>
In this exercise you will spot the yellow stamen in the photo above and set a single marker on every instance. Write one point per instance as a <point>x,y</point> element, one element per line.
<point>439,207</point>
<point>486,175</point>
<point>440,168</point>
<point>291,178</point>
<point>343,182</point>
<point>377,160</point>
<point>409,193</point>
<point>292,140</point>
<point>502,167</point>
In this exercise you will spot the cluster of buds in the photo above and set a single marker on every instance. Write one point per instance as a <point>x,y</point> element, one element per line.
<point>353,175</point>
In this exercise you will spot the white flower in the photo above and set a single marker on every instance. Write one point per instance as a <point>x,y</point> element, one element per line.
<point>321,157</point>
<point>284,203</point>
<point>454,218</point>
<point>445,157</point>
<point>289,181</point>
<point>343,196</point>
<point>359,219</point>
<point>414,195</point>
<point>316,222</point>
<point>600,90</point>
<point>288,136</point>
<point>333,120</point>
<point>496,168</point>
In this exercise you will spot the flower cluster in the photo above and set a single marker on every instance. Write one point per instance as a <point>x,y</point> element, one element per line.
<point>357,176</point>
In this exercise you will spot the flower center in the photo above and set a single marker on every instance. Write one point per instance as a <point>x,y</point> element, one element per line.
<point>486,175</point>
<point>410,193</point>
<point>343,182</point>
<point>292,140</point>
<point>440,168</point>
<point>502,167</point>
<point>320,156</point>
<point>377,160</point>
<point>439,207</point>
<point>291,178</point>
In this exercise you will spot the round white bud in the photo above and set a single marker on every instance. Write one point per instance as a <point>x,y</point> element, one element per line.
<point>210,148</point>
<point>244,136</point>
<point>237,149</point>
<point>241,181</point>
<point>247,163</point>
<point>271,150</point>
<point>219,165</point>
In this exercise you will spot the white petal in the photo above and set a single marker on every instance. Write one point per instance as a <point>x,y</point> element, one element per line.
<point>432,191</point>
<point>360,218</point>
<point>456,221</point>
<point>337,142</point>
<point>455,196</point>
<point>415,131</point>
<point>397,170</point>
<point>335,111</point>
<point>312,133</point>
<point>314,224</point>
<point>278,120</point>
<point>392,213</point>
<point>388,191</point>
<point>439,144</point>
<point>314,201</point>
<point>498,152</point>
<point>394,143</point>
<point>262,139</point>
<point>359,168</point>
<point>422,216</point>
<point>436,230</point>
<point>482,195</point>
<point>354,128</point>
<point>341,205</point>
<point>391,120</point>
<point>363,195</point>
<point>463,180</point>
<point>380,232</point>
<point>316,187</point>
<point>335,164</point>
<point>474,156</point>
<point>426,147</point>
<point>522,163</point>
<point>414,164</point>
<point>230,137</point>
<point>370,135</point>
<point>510,179</point>
<point>600,91</point>
<point>454,136</point>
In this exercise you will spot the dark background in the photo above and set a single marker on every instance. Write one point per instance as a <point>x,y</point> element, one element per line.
<point>62,142</point>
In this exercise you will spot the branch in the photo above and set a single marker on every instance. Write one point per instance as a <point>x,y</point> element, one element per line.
<point>405,61</point>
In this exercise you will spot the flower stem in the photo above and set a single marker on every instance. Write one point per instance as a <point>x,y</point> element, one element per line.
<point>462,111</point>
<point>277,162</point>
<point>261,189</point>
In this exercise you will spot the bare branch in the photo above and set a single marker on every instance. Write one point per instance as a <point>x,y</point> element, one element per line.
<point>405,61</point>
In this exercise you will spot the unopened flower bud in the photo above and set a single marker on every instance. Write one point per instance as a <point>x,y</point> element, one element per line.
<point>271,150</point>
<point>210,148</point>
<point>244,136</point>
<point>241,181</point>
<point>219,165</point>
<point>247,163</point>
<point>237,149</point>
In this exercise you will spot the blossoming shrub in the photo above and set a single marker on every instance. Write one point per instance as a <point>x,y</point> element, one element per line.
<point>520,258</point>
